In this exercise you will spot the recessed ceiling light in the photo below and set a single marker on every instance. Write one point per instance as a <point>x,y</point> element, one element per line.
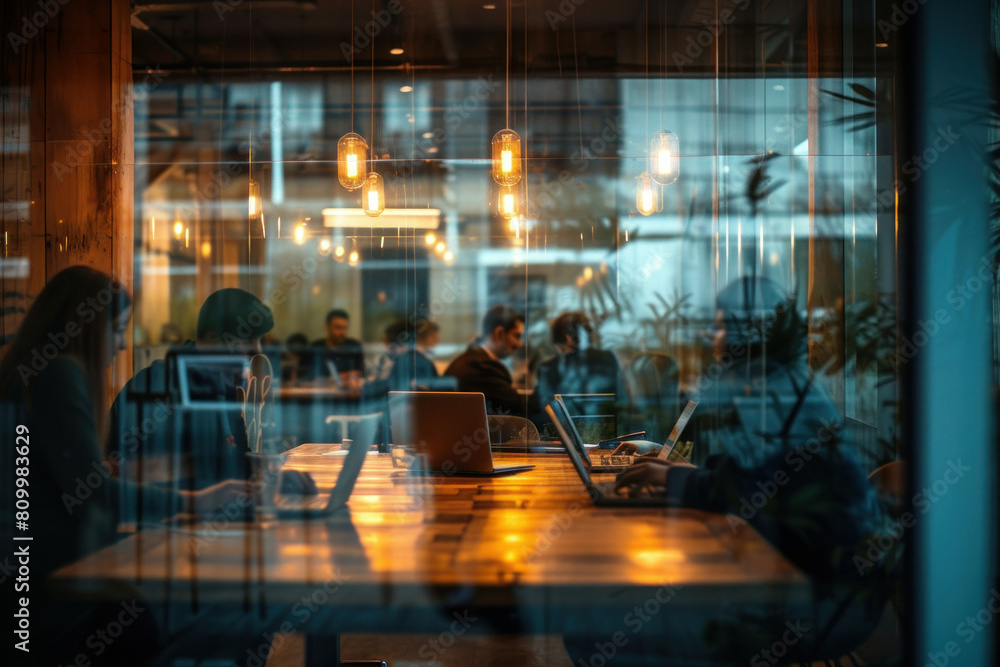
<point>406,89</point>
<point>779,87</point>
<point>427,135</point>
<point>881,45</point>
<point>489,6</point>
<point>432,149</point>
<point>396,51</point>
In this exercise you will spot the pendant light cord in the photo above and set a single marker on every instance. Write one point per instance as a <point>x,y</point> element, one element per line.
<point>507,71</point>
<point>352,69</point>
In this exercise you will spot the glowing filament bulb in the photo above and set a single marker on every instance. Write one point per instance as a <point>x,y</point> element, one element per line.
<point>430,239</point>
<point>646,199</point>
<point>439,247</point>
<point>373,195</point>
<point>664,165</point>
<point>352,151</point>
<point>339,252</point>
<point>663,161</point>
<point>178,228</point>
<point>300,233</point>
<point>506,152</point>
<point>353,257</point>
<point>507,202</point>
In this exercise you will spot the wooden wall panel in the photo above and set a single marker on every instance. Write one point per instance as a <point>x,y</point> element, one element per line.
<point>68,144</point>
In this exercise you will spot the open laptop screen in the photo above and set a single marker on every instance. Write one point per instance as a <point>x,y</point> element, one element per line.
<point>595,416</point>
<point>208,381</point>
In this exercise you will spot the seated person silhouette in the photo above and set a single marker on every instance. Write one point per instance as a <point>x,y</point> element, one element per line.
<point>787,468</point>
<point>480,367</point>
<point>337,356</point>
<point>213,443</point>
<point>52,385</point>
<point>413,369</point>
<point>578,367</point>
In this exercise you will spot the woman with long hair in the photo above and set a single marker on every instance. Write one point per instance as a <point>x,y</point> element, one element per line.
<point>53,393</point>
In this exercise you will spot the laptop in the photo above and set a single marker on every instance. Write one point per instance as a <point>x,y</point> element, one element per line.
<point>601,494</point>
<point>320,505</point>
<point>207,381</point>
<point>449,428</point>
<point>610,462</point>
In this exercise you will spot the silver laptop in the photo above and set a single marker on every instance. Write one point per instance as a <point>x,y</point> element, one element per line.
<point>449,428</point>
<point>320,505</point>
<point>602,494</point>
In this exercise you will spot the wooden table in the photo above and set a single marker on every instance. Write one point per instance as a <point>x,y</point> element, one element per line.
<point>527,549</point>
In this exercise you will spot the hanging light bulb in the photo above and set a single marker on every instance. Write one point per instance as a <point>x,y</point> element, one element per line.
<point>440,247</point>
<point>255,208</point>
<point>430,239</point>
<point>448,256</point>
<point>373,195</point>
<point>339,252</point>
<point>324,246</point>
<point>352,259</point>
<point>515,225</point>
<point>206,249</point>
<point>352,158</point>
<point>506,157</point>
<point>178,229</point>
<point>299,235</point>
<point>647,199</point>
<point>664,163</point>
<point>507,201</point>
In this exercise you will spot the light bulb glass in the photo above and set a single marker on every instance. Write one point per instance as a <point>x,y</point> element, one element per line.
<point>206,249</point>
<point>506,157</point>
<point>507,204</point>
<point>178,229</point>
<point>353,257</point>
<point>352,154</point>
<point>339,252</point>
<point>255,210</point>
<point>300,233</point>
<point>373,195</point>
<point>439,247</point>
<point>664,161</point>
<point>448,256</point>
<point>430,239</point>
<point>647,200</point>
<point>324,246</point>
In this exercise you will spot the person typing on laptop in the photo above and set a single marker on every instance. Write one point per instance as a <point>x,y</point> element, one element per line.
<point>790,448</point>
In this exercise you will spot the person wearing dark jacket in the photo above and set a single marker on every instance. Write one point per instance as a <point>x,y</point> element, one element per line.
<point>481,368</point>
<point>213,443</point>
<point>578,368</point>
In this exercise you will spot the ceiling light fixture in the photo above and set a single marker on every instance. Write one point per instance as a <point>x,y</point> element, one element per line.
<point>352,150</point>
<point>507,143</point>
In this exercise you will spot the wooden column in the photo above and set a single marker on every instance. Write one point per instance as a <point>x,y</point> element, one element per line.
<point>68,141</point>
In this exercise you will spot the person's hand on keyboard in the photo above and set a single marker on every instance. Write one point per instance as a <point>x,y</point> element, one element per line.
<point>646,474</point>
<point>637,448</point>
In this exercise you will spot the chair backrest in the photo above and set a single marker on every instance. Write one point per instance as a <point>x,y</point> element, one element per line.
<point>508,429</point>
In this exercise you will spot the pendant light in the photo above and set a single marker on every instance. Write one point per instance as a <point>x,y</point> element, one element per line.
<point>255,210</point>
<point>664,163</point>
<point>373,195</point>
<point>507,143</point>
<point>373,190</point>
<point>507,203</point>
<point>647,195</point>
<point>352,150</point>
